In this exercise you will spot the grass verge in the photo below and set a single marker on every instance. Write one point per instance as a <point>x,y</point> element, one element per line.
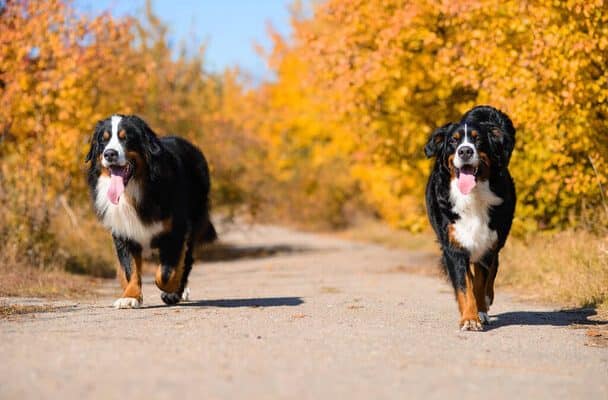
<point>25,281</point>
<point>569,268</point>
<point>78,252</point>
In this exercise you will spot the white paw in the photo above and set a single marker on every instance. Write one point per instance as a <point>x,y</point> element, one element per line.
<point>127,302</point>
<point>484,318</point>
<point>186,294</point>
<point>471,325</point>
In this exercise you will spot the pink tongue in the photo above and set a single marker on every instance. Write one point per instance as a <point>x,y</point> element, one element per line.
<point>117,186</point>
<point>466,183</point>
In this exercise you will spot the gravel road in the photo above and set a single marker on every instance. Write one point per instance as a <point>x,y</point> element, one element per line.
<point>289,315</point>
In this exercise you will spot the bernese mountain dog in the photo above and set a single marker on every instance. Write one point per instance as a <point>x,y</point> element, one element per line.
<point>470,200</point>
<point>150,192</point>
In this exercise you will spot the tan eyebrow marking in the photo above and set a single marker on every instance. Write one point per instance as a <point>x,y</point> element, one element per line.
<point>456,136</point>
<point>106,135</point>
<point>473,134</point>
<point>122,134</point>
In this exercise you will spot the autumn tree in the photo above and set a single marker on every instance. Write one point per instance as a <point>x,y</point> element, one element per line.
<point>388,72</point>
<point>61,72</point>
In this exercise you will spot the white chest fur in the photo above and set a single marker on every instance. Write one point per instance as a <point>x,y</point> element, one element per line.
<point>122,218</point>
<point>472,230</point>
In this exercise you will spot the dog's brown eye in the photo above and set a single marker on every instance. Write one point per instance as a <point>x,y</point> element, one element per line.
<point>106,135</point>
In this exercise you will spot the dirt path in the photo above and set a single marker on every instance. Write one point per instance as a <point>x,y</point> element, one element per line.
<point>321,318</point>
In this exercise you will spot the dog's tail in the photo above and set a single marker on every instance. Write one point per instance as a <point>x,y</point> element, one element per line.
<point>208,233</point>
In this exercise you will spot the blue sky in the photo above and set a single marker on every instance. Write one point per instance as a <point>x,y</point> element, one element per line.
<point>229,27</point>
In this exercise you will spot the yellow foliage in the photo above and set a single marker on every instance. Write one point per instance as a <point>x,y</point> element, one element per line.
<point>358,88</point>
<point>51,92</point>
<point>371,79</point>
<point>60,73</point>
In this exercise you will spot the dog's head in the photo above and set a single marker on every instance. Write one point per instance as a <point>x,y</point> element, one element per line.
<point>123,147</point>
<point>470,150</point>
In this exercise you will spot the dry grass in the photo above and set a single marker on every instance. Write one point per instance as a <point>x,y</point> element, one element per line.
<point>74,254</point>
<point>24,281</point>
<point>568,268</point>
<point>83,245</point>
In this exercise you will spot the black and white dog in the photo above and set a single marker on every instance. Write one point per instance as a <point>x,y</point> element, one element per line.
<point>150,192</point>
<point>470,200</point>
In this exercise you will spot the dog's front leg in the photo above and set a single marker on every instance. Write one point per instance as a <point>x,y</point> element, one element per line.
<point>459,271</point>
<point>128,253</point>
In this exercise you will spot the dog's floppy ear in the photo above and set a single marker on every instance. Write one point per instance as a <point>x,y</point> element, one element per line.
<point>501,135</point>
<point>152,144</point>
<point>502,142</point>
<point>434,146</point>
<point>152,148</point>
<point>93,150</point>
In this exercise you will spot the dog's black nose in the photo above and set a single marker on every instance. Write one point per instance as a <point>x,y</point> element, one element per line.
<point>110,155</point>
<point>465,153</point>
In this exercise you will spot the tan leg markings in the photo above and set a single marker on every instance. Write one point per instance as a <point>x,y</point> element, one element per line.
<point>133,287</point>
<point>469,319</point>
<point>132,295</point>
<point>175,279</point>
<point>122,278</point>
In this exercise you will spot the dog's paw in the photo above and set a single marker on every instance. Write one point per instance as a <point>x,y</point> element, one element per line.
<point>484,318</point>
<point>186,294</point>
<point>170,298</point>
<point>471,325</point>
<point>127,302</point>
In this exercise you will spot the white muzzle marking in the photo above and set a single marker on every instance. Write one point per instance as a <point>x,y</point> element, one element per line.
<point>114,144</point>
<point>474,160</point>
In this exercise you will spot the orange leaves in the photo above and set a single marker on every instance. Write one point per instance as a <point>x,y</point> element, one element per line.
<point>59,74</point>
<point>359,87</point>
<point>388,71</point>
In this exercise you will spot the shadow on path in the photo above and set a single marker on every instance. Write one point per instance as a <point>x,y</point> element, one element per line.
<point>578,316</point>
<point>228,252</point>
<point>234,303</point>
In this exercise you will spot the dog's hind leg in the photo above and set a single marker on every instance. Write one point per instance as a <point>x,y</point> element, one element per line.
<point>480,278</point>
<point>483,283</point>
<point>174,254</point>
<point>128,253</point>
<point>492,271</point>
<point>188,261</point>
<point>182,293</point>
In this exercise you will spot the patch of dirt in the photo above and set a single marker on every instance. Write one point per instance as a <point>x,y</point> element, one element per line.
<point>10,310</point>
<point>329,289</point>
<point>426,270</point>
<point>597,337</point>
